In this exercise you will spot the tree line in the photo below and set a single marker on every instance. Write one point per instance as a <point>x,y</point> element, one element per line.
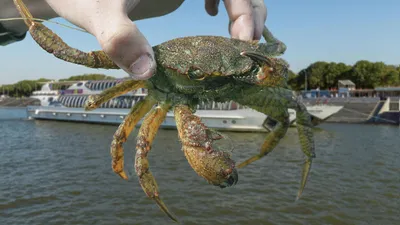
<point>363,74</point>
<point>323,75</point>
<point>26,87</point>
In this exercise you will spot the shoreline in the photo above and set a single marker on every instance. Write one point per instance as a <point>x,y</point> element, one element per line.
<point>355,111</point>
<point>12,102</point>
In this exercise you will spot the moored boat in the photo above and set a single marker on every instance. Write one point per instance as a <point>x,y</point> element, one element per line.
<point>67,105</point>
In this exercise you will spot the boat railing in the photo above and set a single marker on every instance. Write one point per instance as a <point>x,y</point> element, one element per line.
<point>231,105</point>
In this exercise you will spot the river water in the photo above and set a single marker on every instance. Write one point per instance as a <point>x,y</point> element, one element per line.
<point>60,173</point>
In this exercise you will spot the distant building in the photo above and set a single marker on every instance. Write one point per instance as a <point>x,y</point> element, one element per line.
<point>346,84</point>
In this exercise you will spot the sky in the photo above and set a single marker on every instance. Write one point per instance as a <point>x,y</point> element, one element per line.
<point>313,30</point>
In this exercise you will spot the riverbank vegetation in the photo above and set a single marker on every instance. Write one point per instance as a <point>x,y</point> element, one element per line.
<point>323,75</point>
<point>363,74</point>
<point>26,87</point>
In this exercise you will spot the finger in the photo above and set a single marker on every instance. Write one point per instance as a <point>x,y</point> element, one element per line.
<point>117,35</point>
<point>240,13</point>
<point>259,17</point>
<point>212,7</point>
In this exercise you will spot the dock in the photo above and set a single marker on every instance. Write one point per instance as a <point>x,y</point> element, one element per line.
<point>363,109</point>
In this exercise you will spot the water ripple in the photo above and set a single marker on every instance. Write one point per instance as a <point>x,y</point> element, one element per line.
<point>60,173</point>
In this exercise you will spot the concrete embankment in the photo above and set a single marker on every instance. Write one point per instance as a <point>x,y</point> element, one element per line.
<point>355,110</point>
<point>18,102</point>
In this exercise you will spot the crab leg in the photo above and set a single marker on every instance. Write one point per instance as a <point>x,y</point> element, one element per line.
<point>123,132</point>
<point>146,135</point>
<point>272,102</point>
<point>274,46</point>
<point>52,43</point>
<point>95,101</point>
<point>274,136</point>
<point>306,136</point>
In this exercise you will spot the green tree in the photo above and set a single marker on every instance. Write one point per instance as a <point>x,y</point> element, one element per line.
<point>89,77</point>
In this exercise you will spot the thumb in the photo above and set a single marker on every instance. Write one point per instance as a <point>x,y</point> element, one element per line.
<point>128,48</point>
<point>118,36</point>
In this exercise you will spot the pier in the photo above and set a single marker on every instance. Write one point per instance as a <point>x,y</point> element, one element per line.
<point>362,109</point>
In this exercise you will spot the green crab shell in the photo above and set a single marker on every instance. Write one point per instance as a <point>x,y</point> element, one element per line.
<point>205,55</point>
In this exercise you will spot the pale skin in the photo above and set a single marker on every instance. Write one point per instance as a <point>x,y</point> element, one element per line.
<point>111,23</point>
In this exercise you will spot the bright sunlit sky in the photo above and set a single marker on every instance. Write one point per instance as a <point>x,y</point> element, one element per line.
<point>335,31</point>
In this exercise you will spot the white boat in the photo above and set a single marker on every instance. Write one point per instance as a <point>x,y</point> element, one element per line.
<point>67,105</point>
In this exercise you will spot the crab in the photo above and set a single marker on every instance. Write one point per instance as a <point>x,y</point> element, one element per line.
<point>191,70</point>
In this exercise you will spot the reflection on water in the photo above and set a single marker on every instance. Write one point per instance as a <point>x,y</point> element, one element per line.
<point>60,173</point>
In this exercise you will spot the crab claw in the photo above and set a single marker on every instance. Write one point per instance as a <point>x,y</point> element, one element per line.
<point>273,71</point>
<point>258,57</point>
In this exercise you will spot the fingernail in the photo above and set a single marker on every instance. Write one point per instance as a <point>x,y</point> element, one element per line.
<point>141,69</point>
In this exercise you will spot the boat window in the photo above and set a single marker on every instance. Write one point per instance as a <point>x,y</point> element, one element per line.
<point>127,102</point>
<point>80,102</point>
<point>115,103</point>
<point>79,84</point>
<point>108,104</point>
<point>124,103</point>
<point>77,101</point>
<point>83,100</point>
<point>67,100</point>
<point>73,102</point>
<point>62,100</point>
<point>121,102</point>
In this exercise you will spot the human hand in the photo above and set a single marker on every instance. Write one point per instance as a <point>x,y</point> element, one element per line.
<point>119,38</point>
<point>247,17</point>
<point>109,21</point>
